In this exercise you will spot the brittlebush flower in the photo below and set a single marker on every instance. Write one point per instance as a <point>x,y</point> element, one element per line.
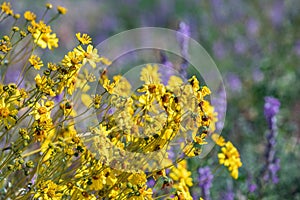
<point>49,190</point>
<point>45,40</point>
<point>7,113</point>
<point>84,39</point>
<point>73,59</point>
<point>35,61</point>
<point>62,10</point>
<point>42,109</point>
<point>180,173</point>
<point>230,158</point>
<point>49,6</point>
<point>90,55</point>
<point>150,74</point>
<point>6,8</point>
<point>219,140</point>
<point>42,35</point>
<point>29,16</point>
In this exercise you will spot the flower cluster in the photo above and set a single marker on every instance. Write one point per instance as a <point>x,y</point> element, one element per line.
<point>205,181</point>
<point>229,156</point>
<point>58,151</point>
<point>271,108</point>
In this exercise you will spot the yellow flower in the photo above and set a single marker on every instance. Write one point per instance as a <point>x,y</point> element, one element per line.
<point>230,158</point>
<point>42,36</point>
<point>105,61</point>
<point>68,109</point>
<point>183,192</point>
<point>181,174</point>
<point>29,16</point>
<point>36,62</point>
<point>174,82</point>
<point>73,59</point>
<point>48,190</point>
<point>137,178</point>
<point>98,181</point>
<point>45,84</point>
<point>84,39</point>
<point>5,46</point>
<point>6,8</point>
<point>52,66</point>
<point>205,91</point>
<point>90,55</point>
<point>195,83</point>
<point>61,10</point>
<point>149,74</point>
<point>219,140</point>
<point>49,5</point>
<point>7,113</point>
<point>45,40</point>
<point>42,110</point>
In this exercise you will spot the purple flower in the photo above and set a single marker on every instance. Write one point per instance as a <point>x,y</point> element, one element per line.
<point>253,27</point>
<point>271,108</point>
<point>297,48</point>
<point>229,195</point>
<point>219,49</point>
<point>276,13</point>
<point>167,69</point>
<point>234,82</point>
<point>272,166</point>
<point>257,75</point>
<point>205,182</point>
<point>240,46</point>
<point>183,37</point>
<point>251,186</point>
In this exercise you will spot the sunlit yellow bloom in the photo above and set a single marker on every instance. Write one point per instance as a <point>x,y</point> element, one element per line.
<point>5,46</point>
<point>73,59</point>
<point>182,192</point>
<point>36,62</point>
<point>15,28</point>
<point>195,83</point>
<point>17,16</point>
<point>149,74</point>
<point>42,35</point>
<point>105,61</point>
<point>205,91</point>
<point>52,66</point>
<point>68,109</point>
<point>180,173</point>
<point>62,10</point>
<point>219,140</point>
<point>90,55</point>
<point>174,82</point>
<point>48,190</point>
<point>45,84</point>
<point>29,16</point>
<point>230,158</point>
<point>49,5</point>
<point>84,39</point>
<point>45,40</point>
<point>137,178</point>
<point>6,8</point>
<point>42,109</point>
<point>41,26</point>
<point>7,113</point>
